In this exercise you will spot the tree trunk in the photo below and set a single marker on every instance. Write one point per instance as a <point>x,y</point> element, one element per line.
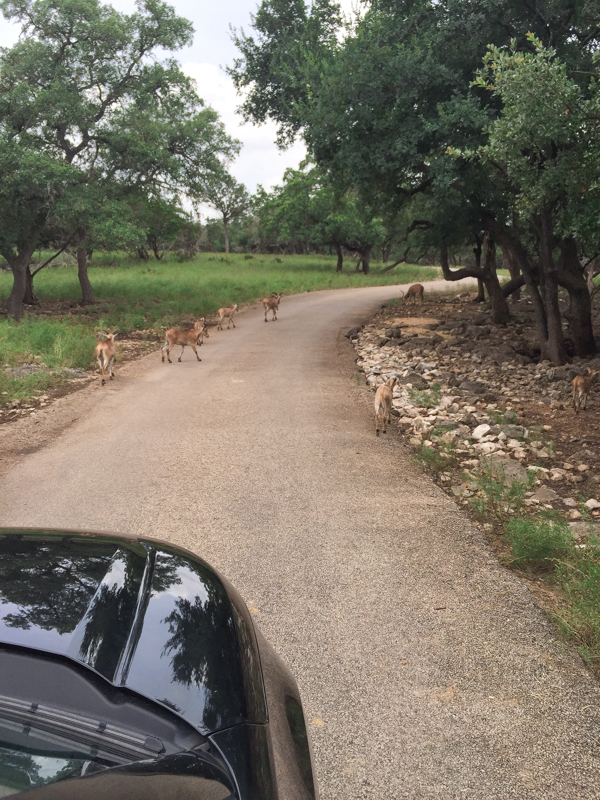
<point>500,310</point>
<point>510,238</point>
<point>226,235</point>
<point>366,260</point>
<point>19,265</point>
<point>14,306</point>
<point>571,276</point>
<point>87,293</point>
<point>29,297</point>
<point>555,350</point>
<point>513,270</point>
<point>340,257</point>
<point>480,284</point>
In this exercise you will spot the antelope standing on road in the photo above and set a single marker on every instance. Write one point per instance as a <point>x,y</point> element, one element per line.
<point>383,404</point>
<point>581,388</point>
<point>271,303</point>
<point>191,337</point>
<point>414,292</point>
<point>227,313</point>
<point>105,354</point>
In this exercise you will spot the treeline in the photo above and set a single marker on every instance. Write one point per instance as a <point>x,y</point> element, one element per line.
<point>459,125</point>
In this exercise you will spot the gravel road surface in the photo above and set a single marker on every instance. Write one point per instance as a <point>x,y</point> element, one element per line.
<point>426,669</point>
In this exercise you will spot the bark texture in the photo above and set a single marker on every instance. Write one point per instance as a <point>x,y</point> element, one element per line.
<point>87,292</point>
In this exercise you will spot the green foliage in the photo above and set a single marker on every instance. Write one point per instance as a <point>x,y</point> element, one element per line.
<point>431,458</point>
<point>546,136</point>
<point>308,209</point>
<point>427,398</point>
<point>89,117</point>
<point>537,542</point>
<point>130,296</point>
<point>499,498</point>
<point>63,343</point>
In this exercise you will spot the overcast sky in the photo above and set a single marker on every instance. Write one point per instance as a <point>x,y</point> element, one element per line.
<point>260,161</point>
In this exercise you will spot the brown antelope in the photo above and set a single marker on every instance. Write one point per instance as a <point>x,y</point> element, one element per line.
<point>227,313</point>
<point>414,292</point>
<point>192,337</point>
<point>271,303</point>
<point>383,404</point>
<point>105,354</point>
<point>581,388</point>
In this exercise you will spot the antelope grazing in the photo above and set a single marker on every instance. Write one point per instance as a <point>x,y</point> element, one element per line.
<point>105,355</point>
<point>192,337</point>
<point>581,388</point>
<point>383,404</point>
<point>227,313</point>
<point>415,291</point>
<point>271,303</point>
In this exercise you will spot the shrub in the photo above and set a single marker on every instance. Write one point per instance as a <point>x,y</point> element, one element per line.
<point>538,542</point>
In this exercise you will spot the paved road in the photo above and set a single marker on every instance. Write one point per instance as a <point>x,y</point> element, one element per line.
<point>432,669</point>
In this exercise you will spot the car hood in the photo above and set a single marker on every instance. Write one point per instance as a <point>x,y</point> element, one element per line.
<point>145,616</point>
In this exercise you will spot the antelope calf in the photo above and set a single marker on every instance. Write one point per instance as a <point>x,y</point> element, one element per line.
<point>581,388</point>
<point>414,292</point>
<point>227,313</point>
<point>271,303</point>
<point>105,355</point>
<point>191,337</point>
<point>383,404</point>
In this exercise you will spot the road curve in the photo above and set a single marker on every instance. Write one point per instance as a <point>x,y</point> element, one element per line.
<point>428,669</point>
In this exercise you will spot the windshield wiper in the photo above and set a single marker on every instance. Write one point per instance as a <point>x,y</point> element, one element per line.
<point>65,725</point>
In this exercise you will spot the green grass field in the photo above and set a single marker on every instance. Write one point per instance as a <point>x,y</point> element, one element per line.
<point>142,296</point>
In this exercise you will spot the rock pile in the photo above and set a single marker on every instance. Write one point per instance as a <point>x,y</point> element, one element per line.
<point>455,394</point>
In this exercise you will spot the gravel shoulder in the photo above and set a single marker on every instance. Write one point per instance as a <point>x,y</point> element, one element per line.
<point>427,669</point>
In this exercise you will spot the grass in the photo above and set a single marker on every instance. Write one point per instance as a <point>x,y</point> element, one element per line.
<point>426,398</point>
<point>134,295</point>
<point>538,543</point>
<point>542,545</point>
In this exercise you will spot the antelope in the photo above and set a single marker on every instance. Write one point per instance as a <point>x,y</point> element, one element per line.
<point>192,337</point>
<point>415,291</point>
<point>581,388</point>
<point>105,354</point>
<point>383,404</point>
<point>227,313</point>
<point>271,303</point>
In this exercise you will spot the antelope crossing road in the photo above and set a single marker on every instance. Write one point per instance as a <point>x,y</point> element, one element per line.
<point>426,669</point>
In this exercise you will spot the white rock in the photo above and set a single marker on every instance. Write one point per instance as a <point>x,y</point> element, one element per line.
<point>570,502</point>
<point>419,425</point>
<point>486,447</point>
<point>480,431</point>
<point>592,504</point>
<point>583,468</point>
<point>575,515</point>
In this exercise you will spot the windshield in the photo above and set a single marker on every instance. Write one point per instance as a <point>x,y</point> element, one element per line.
<point>23,768</point>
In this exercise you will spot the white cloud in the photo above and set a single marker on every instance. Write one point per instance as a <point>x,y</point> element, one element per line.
<point>260,161</point>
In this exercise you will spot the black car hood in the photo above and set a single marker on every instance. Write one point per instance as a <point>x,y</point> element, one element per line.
<point>145,616</point>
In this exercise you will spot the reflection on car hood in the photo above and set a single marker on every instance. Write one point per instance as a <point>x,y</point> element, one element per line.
<point>145,616</point>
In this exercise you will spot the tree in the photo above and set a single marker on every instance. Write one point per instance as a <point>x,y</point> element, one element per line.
<point>86,114</point>
<point>308,210</point>
<point>389,108</point>
<point>545,143</point>
<point>228,197</point>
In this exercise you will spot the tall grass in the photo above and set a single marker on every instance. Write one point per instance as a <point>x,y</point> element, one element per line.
<point>133,295</point>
